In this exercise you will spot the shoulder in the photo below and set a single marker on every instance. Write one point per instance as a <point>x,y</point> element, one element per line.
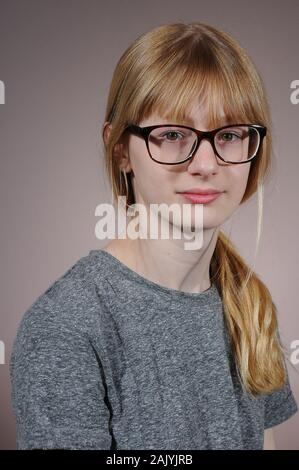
<point>69,305</point>
<point>55,366</point>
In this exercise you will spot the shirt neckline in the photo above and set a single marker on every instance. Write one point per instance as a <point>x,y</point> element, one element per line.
<point>208,294</point>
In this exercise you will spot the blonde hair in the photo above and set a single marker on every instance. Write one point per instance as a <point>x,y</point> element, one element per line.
<point>166,70</point>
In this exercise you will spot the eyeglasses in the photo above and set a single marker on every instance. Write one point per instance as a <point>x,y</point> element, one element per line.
<point>171,144</point>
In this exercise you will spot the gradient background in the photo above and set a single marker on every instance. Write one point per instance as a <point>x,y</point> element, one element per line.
<point>56,60</point>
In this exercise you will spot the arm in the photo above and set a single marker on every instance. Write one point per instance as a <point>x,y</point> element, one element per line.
<point>269,440</point>
<point>57,388</point>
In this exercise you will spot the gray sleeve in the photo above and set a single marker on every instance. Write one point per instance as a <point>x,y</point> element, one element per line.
<point>280,405</point>
<point>58,393</point>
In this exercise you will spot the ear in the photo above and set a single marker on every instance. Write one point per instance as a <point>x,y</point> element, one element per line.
<point>120,152</point>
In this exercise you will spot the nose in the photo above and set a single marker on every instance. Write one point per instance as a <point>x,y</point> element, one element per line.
<point>204,160</point>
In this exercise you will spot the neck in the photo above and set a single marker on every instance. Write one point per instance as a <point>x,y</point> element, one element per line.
<point>167,262</point>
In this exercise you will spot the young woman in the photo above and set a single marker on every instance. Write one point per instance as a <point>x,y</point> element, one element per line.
<point>144,344</point>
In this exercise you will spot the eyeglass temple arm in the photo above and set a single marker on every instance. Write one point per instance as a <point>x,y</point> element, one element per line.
<point>135,129</point>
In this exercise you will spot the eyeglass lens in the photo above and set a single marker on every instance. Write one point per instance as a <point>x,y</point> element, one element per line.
<point>174,144</point>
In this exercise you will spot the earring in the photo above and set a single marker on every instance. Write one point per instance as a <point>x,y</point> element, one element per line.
<point>112,197</point>
<point>126,182</point>
<point>120,185</point>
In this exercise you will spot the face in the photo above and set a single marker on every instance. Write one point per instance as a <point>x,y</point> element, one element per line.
<point>158,183</point>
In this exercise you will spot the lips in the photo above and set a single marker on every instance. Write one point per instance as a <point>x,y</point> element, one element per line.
<point>201,198</point>
<point>200,191</point>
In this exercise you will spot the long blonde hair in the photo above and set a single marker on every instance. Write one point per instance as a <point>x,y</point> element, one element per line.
<point>166,70</point>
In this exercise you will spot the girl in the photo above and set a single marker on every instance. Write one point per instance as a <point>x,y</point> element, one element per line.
<point>144,344</point>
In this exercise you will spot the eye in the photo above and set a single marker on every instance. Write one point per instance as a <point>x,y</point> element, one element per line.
<point>173,134</point>
<point>228,136</point>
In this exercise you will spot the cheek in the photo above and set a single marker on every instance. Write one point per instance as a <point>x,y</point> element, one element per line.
<point>149,176</point>
<point>237,182</point>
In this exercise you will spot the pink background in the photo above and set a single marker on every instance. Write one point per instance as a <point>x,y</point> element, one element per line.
<point>56,60</point>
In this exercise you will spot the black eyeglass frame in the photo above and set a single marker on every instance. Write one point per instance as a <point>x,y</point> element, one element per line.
<point>144,132</point>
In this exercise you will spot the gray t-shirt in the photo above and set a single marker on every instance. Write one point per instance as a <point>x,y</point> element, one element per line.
<point>107,359</point>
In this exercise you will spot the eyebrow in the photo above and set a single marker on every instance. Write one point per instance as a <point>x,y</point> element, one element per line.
<point>186,121</point>
<point>190,123</point>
